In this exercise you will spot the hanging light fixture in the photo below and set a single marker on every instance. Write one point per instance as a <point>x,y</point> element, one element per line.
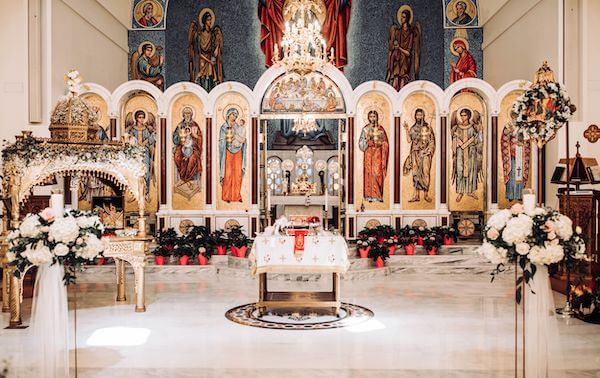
<point>303,47</point>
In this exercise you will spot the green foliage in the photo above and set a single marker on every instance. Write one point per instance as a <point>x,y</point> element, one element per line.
<point>200,239</point>
<point>166,240</point>
<point>219,238</point>
<point>237,237</point>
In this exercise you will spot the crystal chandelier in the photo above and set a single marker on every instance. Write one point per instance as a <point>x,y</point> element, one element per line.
<point>303,47</point>
<point>304,125</point>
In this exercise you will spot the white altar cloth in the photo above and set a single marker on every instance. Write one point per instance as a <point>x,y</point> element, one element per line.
<point>322,254</point>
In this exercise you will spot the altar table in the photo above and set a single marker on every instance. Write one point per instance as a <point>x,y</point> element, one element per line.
<point>132,250</point>
<point>322,254</point>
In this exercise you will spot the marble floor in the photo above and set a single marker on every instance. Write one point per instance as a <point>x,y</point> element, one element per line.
<point>424,326</point>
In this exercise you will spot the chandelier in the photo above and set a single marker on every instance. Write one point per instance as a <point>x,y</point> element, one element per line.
<point>303,47</point>
<point>304,125</point>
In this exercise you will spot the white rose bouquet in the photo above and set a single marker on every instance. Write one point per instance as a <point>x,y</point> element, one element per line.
<point>540,237</point>
<point>44,238</point>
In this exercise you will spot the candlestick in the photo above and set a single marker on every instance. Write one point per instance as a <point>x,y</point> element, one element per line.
<point>269,199</point>
<point>528,200</point>
<point>57,204</point>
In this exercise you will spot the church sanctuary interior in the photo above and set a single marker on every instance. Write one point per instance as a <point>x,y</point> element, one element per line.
<point>300,188</point>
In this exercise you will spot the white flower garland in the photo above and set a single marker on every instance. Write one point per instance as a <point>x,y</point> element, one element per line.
<point>542,131</point>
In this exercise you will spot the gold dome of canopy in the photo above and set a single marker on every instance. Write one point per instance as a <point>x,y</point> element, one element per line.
<point>73,118</point>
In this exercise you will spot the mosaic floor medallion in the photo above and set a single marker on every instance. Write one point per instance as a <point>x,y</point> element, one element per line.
<point>350,315</point>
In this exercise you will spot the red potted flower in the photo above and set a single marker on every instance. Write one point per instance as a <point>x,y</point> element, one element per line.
<point>363,244</point>
<point>239,241</point>
<point>432,243</point>
<point>406,238</point>
<point>203,256</point>
<point>220,241</point>
<point>379,253</point>
<point>184,252</point>
<point>166,240</point>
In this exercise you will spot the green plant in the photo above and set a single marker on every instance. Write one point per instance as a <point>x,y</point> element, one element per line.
<point>379,250</point>
<point>445,231</point>
<point>166,240</point>
<point>184,249</point>
<point>406,236</point>
<point>432,240</point>
<point>200,239</point>
<point>237,238</point>
<point>219,238</point>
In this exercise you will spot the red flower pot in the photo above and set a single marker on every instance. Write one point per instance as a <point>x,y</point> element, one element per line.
<point>432,251</point>
<point>364,252</point>
<point>221,250</point>
<point>202,260</point>
<point>100,261</point>
<point>391,250</point>
<point>183,260</point>
<point>448,240</point>
<point>419,240</point>
<point>409,249</point>
<point>239,251</point>
<point>159,260</point>
<point>379,262</point>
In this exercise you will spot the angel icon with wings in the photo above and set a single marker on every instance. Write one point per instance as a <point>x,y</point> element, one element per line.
<point>141,128</point>
<point>205,49</point>
<point>467,152</point>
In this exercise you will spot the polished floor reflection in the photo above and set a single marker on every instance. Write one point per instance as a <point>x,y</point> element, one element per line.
<point>424,326</point>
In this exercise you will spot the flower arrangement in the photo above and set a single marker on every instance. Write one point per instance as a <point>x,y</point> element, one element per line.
<point>550,103</point>
<point>541,236</point>
<point>27,150</point>
<point>313,219</point>
<point>69,240</point>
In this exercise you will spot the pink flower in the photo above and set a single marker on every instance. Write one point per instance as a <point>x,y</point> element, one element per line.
<point>48,214</point>
<point>549,226</point>
<point>551,235</point>
<point>493,234</point>
<point>516,209</point>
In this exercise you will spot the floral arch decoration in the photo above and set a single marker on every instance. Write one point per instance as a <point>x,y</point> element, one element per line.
<point>32,161</point>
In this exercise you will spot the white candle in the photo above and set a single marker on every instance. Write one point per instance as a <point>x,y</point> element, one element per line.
<point>269,199</point>
<point>57,204</point>
<point>529,202</point>
<point>326,199</point>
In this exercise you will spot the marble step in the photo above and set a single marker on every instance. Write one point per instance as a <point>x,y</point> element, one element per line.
<point>360,269</point>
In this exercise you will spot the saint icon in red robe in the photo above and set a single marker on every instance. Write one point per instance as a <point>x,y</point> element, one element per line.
<point>465,66</point>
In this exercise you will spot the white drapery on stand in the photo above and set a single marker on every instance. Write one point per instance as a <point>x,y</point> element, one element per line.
<point>49,322</point>
<point>543,356</point>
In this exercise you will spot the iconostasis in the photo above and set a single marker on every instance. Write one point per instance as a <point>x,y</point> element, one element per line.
<point>370,155</point>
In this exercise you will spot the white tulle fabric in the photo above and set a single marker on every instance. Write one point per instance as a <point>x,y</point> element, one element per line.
<point>49,323</point>
<point>543,354</point>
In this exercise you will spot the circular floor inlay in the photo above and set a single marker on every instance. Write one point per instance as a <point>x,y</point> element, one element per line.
<point>350,314</point>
